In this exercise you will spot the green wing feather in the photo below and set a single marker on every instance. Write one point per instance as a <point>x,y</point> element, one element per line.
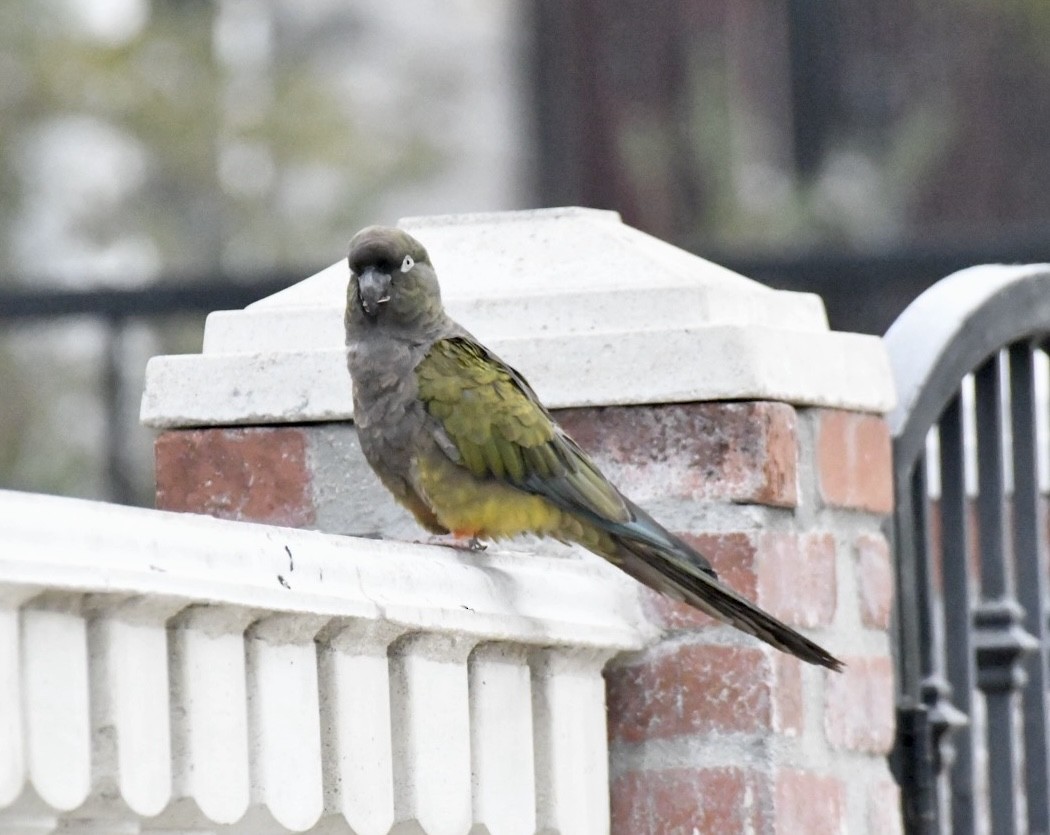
<point>499,430</point>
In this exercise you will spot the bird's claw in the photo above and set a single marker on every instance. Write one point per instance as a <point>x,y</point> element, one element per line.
<point>473,545</point>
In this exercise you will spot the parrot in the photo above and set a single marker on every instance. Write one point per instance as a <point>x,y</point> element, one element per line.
<point>462,441</point>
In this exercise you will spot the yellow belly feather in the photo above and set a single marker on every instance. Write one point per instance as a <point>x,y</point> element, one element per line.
<point>489,509</point>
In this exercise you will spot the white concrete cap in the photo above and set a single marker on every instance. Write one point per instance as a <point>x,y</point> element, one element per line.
<point>591,311</point>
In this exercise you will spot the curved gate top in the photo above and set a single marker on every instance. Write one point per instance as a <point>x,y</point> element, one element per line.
<point>970,453</point>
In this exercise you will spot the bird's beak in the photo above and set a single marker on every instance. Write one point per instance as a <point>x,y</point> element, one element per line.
<point>373,289</point>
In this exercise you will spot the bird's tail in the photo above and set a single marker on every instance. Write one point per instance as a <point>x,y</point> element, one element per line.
<point>662,561</point>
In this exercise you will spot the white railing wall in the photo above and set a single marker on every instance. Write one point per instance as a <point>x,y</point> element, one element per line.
<point>176,673</point>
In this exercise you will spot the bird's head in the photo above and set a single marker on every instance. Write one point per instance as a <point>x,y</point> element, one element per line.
<point>392,281</point>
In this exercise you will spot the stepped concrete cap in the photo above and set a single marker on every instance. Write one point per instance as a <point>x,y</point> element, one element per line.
<point>591,311</point>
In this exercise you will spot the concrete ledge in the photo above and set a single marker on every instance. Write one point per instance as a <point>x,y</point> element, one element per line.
<point>628,368</point>
<point>109,549</point>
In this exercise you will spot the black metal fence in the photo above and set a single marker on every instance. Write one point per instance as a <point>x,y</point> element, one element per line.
<point>971,542</point>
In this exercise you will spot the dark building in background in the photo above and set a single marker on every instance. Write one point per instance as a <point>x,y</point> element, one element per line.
<point>858,150</point>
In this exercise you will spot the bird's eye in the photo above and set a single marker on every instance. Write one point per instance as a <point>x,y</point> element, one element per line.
<point>407,264</point>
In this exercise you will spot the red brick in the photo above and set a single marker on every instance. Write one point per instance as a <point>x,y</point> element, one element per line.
<point>884,809</point>
<point>809,803</point>
<point>250,474</point>
<point>797,577</point>
<point>854,461</point>
<point>683,801</point>
<point>858,709</point>
<point>788,711</point>
<point>741,452</point>
<point>732,555</point>
<point>875,580</point>
<point>792,576</point>
<point>691,689</point>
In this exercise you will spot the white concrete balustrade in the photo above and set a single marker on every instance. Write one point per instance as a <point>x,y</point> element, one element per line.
<point>175,673</point>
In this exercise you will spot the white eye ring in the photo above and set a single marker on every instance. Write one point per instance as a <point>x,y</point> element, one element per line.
<point>407,264</point>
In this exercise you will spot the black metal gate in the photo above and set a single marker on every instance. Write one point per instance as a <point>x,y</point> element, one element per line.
<point>971,542</point>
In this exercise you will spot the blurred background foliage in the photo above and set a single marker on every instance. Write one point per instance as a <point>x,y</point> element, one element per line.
<point>239,143</point>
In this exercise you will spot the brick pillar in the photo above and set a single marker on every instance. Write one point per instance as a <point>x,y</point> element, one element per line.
<point>709,730</point>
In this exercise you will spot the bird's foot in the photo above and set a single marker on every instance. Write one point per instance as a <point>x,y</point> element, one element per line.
<point>461,543</point>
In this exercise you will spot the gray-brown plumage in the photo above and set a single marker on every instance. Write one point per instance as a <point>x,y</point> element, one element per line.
<point>462,441</point>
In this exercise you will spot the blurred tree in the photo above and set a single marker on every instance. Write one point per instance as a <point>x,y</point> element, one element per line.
<point>745,125</point>
<point>207,122</point>
<point>180,139</point>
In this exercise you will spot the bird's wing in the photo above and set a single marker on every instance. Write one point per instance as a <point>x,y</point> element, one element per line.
<point>490,421</point>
